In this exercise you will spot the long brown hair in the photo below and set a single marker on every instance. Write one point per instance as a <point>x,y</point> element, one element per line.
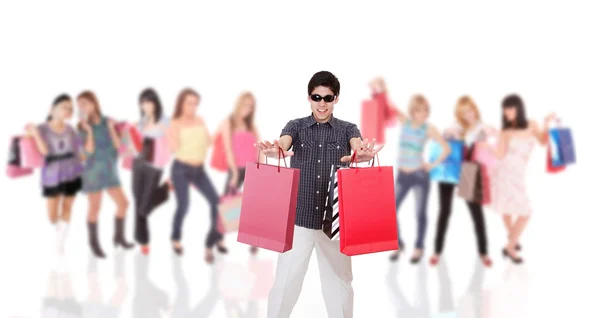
<point>248,120</point>
<point>90,97</point>
<point>462,103</point>
<point>181,98</point>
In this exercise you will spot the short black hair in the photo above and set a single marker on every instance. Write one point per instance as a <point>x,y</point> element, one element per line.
<point>150,95</point>
<point>59,99</point>
<point>326,79</point>
<point>521,122</point>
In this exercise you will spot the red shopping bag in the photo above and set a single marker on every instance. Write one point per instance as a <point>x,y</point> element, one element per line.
<point>367,210</point>
<point>390,116</point>
<point>269,206</point>
<point>550,168</point>
<point>485,185</point>
<point>372,120</point>
<point>219,159</point>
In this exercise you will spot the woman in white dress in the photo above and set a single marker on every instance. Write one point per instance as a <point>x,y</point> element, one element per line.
<point>509,192</point>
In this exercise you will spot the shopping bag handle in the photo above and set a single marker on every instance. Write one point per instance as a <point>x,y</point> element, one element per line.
<point>353,159</point>
<point>280,155</point>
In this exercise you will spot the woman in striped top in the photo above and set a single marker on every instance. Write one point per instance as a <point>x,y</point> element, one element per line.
<point>413,171</point>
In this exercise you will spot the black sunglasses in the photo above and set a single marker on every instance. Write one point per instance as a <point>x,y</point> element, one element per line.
<point>326,98</point>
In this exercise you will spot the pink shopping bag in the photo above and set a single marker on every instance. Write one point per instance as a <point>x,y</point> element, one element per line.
<point>162,153</point>
<point>127,162</point>
<point>229,212</point>
<point>13,171</point>
<point>30,154</point>
<point>269,206</point>
<point>483,156</point>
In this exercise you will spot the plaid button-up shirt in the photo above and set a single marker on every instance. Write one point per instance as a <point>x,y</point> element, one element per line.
<point>316,146</point>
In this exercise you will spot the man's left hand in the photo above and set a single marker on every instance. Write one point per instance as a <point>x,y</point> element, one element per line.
<point>365,152</point>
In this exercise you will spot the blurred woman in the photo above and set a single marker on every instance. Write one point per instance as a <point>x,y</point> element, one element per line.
<point>147,190</point>
<point>189,140</point>
<point>509,193</point>
<point>471,130</point>
<point>101,142</point>
<point>239,135</point>
<point>413,172</point>
<point>61,173</point>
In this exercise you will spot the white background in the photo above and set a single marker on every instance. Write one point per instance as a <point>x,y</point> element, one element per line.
<point>548,52</point>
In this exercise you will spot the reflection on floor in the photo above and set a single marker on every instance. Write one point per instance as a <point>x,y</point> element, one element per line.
<point>236,289</point>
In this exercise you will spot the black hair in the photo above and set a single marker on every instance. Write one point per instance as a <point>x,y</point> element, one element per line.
<point>59,99</point>
<point>326,79</point>
<point>520,122</point>
<point>150,95</point>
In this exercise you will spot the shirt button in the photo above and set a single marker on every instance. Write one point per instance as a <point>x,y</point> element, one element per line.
<point>317,208</point>
<point>319,161</point>
<point>319,145</point>
<point>318,176</point>
<point>338,147</point>
<point>317,192</point>
<point>301,145</point>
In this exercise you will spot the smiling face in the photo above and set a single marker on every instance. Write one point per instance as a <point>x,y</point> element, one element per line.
<point>468,115</point>
<point>321,109</point>
<point>190,105</point>
<point>63,110</point>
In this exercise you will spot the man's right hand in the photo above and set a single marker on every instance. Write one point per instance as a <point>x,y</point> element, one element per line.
<point>271,150</point>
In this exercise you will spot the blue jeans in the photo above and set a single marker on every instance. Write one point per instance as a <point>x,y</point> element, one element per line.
<point>182,175</point>
<point>419,180</point>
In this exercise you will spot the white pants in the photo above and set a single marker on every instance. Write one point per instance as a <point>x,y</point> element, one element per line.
<point>335,269</point>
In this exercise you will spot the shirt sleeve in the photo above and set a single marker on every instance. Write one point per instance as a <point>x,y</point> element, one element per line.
<point>352,131</point>
<point>291,129</point>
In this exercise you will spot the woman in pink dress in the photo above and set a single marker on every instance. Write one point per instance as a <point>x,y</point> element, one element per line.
<point>239,135</point>
<point>509,193</point>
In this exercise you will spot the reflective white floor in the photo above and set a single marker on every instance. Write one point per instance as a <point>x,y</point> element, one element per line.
<point>558,279</point>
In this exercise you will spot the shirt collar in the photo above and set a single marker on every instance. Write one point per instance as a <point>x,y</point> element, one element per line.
<point>310,120</point>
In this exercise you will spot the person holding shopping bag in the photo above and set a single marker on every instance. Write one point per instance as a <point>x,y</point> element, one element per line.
<point>413,172</point>
<point>509,191</point>
<point>61,174</point>
<point>101,142</point>
<point>148,192</point>
<point>471,131</point>
<point>319,141</point>
<point>237,131</point>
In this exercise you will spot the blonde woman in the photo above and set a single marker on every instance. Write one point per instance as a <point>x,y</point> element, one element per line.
<point>471,130</point>
<point>239,136</point>
<point>413,171</point>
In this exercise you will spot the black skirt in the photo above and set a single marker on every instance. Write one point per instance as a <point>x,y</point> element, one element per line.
<point>67,188</point>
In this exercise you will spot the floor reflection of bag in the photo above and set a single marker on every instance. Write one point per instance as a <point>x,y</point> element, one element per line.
<point>236,282</point>
<point>263,271</point>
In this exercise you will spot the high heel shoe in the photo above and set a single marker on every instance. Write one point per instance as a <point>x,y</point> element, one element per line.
<point>222,249</point>
<point>514,259</point>
<point>416,259</point>
<point>395,255</point>
<point>486,260</point>
<point>253,250</point>
<point>178,250</point>
<point>209,258</point>
<point>145,249</point>
<point>434,260</point>
<point>119,238</point>
<point>93,240</point>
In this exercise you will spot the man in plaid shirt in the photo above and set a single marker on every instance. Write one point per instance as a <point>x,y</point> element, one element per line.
<point>318,141</point>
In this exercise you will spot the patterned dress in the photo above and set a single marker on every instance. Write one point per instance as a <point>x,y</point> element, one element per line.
<point>509,191</point>
<point>101,166</point>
